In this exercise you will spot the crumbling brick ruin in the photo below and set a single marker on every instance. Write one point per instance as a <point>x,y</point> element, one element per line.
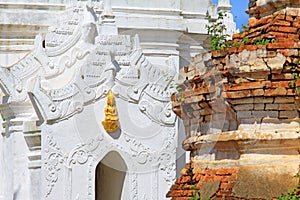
<point>240,107</point>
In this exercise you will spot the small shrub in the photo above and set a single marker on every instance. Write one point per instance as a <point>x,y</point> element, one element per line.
<point>197,196</point>
<point>296,77</point>
<point>262,41</point>
<point>245,40</point>
<point>195,187</point>
<point>217,32</point>
<point>292,195</point>
<point>245,28</point>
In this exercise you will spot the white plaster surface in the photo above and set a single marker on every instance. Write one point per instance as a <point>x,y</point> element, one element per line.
<point>54,98</point>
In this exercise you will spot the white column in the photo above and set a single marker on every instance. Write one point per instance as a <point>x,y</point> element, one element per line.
<point>21,180</point>
<point>7,155</point>
<point>15,153</point>
<point>225,6</point>
<point>2,181</point>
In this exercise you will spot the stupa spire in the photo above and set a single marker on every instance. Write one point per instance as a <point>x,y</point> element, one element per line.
<point>108,23</point>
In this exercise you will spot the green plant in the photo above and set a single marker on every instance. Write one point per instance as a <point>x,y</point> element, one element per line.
<point>217,32</point>
<point>195,187</point>
<point>180,94</point>
<point>296,77</point>
<point>261,41</point>
<point>245,39</point>
<point>292,195</point>
<point>245,28</point>
<point>196,195</point>
<point>181,99</point>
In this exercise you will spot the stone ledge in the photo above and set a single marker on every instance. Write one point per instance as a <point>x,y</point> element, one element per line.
<point>248,161</point>
<point>241,138</point>
<point>32,6</point>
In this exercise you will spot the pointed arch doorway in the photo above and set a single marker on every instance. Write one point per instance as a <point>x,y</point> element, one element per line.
<point>110,177</point>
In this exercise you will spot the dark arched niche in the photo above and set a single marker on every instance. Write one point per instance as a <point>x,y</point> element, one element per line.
<point>110,177</point>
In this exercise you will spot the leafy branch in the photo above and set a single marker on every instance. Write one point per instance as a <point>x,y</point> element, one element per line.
<point>296,76</point>
<point>217,32</point>
<point>262,41</point>
<point>292,194</point>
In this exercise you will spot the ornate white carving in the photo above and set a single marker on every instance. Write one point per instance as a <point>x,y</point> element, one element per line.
<point>134,187</point>
<point>97,64</point>
<point>11,86</point>
<point>170,173</point>
<point>77,62</point>
<point>14,79</point>
<point>145,84</point>
<point>62,36</point>
<point>53,161</point>
<point>139,152</point>
<point>164,158</point>
<point>82,152</point>
<point>167,157</point>
<point>55,158</point>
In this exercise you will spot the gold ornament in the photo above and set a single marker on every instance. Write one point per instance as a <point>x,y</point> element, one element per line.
<point>111,121</point>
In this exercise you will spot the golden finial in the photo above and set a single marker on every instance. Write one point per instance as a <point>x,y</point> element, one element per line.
<point>111,121</point>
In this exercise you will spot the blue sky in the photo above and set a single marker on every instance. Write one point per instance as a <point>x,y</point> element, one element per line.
<point>238,11</point>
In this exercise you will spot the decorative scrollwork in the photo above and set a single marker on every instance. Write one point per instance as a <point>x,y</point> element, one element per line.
<point>82,152</point>
<point>55,158</point>
<point>53,161</point>
<point>141,153</point>
<point>170,173</point>
<point>134,186</point>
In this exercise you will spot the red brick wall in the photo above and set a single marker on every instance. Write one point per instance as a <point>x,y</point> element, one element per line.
<point>245,89</point>
<point>281,28</point>
<point>260,8</point>
<point>183,187</point>
<point>242,87</point>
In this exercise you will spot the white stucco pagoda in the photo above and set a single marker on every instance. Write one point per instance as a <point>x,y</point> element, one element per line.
<point>71,69</point>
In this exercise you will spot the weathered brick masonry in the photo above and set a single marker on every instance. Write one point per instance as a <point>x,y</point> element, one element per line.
<point>245,106</point>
